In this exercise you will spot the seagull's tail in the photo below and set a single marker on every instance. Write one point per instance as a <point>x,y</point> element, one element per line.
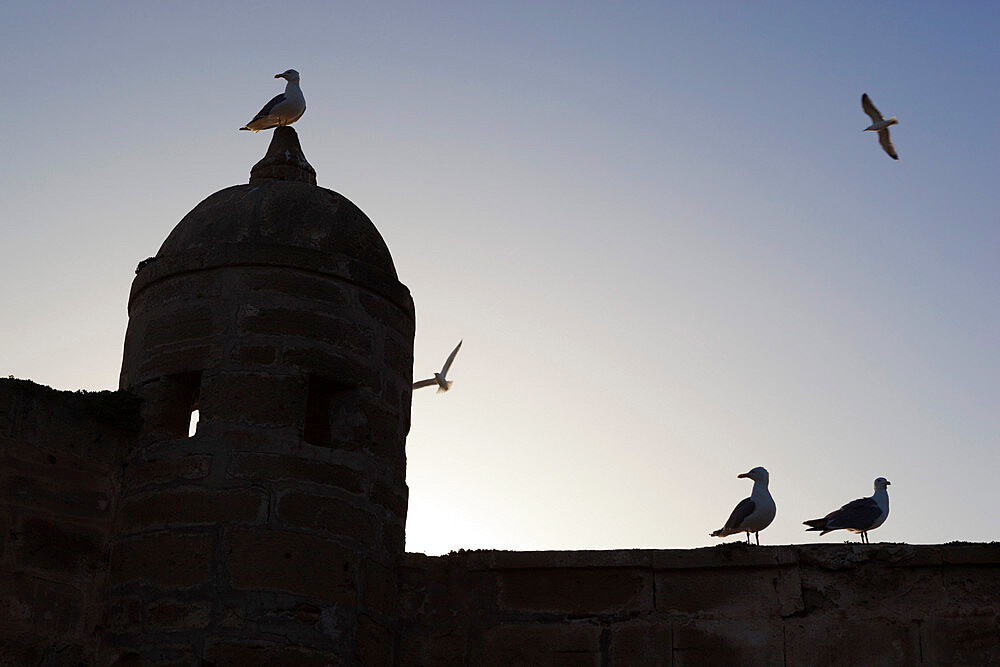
<point>816,524</point>
<point>449,383</point>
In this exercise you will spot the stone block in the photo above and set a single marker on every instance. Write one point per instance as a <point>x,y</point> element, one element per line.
<point>292,562</point>
<point>379,587</point>
<point>294,286</point>
<point>72,495</point>
<point>344,333</point>
<point>58,546</point>
<point>178,359</point>
<point>757,641</point>
<point>194,506</point>
<point>729,592</point>
<point>233,652</point>
<point>168,614</point>
<point>260,399</point>
<point>143,473</point>
<point>564,644</point>
<point>641,643</point>
<point>182,325</point>
<point>970,640</point>
<point>372,642</point>
<point>836,639</point>
<point>441,649</point>
<point>309,357</point>
<point>32,604</point>
<point>255,355</point>
<point>326,514</point>
<point>274,468</point>
<point>166,560</point>
<point>393,499</point>
<point>124,615</point>
<point>576,590</point>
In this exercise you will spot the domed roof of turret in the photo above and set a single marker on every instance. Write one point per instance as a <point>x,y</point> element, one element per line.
<point>282,207</point>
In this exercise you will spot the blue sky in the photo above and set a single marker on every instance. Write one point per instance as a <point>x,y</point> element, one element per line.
<point>671,250</point>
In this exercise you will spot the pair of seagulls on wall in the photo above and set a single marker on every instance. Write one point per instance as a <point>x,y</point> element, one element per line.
<point>440,379</point>
<point>756,513</point>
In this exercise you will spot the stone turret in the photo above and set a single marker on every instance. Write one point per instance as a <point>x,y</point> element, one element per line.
<point>273,310</point>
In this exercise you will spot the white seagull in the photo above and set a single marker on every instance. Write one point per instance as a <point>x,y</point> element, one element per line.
<point>753,514</point>
<point>440,379</point>
<point>880,125</point>
<point>283,109</point>
<point>857,516</point>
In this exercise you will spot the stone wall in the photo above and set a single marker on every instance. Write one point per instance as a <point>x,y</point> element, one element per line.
<point>824,604</point>
<point>60,463</point>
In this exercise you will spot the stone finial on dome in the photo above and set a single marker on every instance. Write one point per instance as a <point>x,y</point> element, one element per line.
<point>284,160</point>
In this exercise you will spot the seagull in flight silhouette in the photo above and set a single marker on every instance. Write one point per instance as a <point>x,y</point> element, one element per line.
<point>880,125</point>
<point>440,379</point>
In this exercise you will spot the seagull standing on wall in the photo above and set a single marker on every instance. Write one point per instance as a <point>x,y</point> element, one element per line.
<point>440,379</point>
<point>752,514</point>
<point>880,125</point>
<point>283,109</point>
<point>857,516</point>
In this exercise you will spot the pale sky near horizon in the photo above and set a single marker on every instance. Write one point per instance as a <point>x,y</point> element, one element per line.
<point>670,249</point>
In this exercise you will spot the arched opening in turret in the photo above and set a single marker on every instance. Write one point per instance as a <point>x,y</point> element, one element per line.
<point>323,405</point>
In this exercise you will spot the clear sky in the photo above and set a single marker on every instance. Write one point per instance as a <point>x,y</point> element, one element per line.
<point>671,250</point>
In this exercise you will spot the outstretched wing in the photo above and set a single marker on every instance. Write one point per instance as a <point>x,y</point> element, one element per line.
<point>424,383</point>
<point>451,358</point>
<point>870,109</point>
<point>266,111</point>
<point>744,509</point>
<point>883,138</point>
<point>858,514</point>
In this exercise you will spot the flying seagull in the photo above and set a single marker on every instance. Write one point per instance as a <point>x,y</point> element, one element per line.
<point>440,379</point>
<point>283,109</point>
<point>857,516</point>
<point>880,125</point>
<point>752,514</point>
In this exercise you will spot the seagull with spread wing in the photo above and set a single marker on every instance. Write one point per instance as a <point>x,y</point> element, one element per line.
<point>752,514</point>
<point>440,379</point>
<point>880,125</point>
<point>283,109</point>
<point>857,516</point>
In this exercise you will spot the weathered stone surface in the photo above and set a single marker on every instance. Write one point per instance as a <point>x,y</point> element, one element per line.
<point>166,560</point>
<point>642,643</point>
<point>842,640</point>
<point>142,473</point>
<point>576,590</point>
<point>229,652</point>
<point>291,562</point>
<point>564,644</point>
<point>194,506</point>
<point>58,546</point>
<point>969,640</point>
<point>292,469</point>
<point>707,642</point>
<point>167,614</point>
<point>729,592</point>
<point>330,515</point>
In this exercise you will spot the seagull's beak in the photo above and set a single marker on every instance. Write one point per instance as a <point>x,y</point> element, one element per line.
<point>279,76</point>
<point>888,483</point>
<point>743,474</point>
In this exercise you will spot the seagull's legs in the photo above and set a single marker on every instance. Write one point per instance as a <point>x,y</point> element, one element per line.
<point>864,537</point>
<point>757,537</point>
<point>748,537</point>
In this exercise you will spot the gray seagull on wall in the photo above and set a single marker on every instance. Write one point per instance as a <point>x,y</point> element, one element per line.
<point>283,109</point>
<point>752,514</point>
<point>880,125</point>
<point>440,379</point>
<point>857,516</point>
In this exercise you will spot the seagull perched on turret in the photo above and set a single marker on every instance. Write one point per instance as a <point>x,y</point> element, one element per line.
<point>440,379</point>
<point>857,516</point>
<point>283,109</point>
<point>880,125</point>
<point>752,514</point>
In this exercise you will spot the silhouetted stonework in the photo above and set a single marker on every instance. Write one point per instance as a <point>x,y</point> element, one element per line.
<point>274,534</point>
